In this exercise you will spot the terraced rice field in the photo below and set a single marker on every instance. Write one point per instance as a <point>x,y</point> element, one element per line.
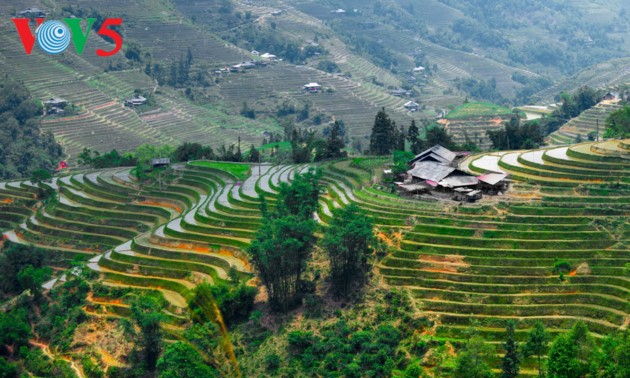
<point>585,123</point>
<point>486,262</point>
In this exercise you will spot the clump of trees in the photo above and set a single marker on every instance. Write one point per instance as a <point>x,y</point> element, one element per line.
<point>23,147</point>
<point>285,240</point>
<point>618,124</point>
<point>348,242</point>
<point>516,135</point>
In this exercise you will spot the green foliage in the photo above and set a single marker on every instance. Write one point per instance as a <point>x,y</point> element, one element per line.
<point>284,242</point>
<point>248,112</point>
<point>536,344</point>
<point>241,171</point>
<point>108,160</point>
<point>328,66</point>
<point>234,301</point>
<point>335,143</point>
<point>511,360</point>
<point>614,359</point>
<point>384,137</point>
<point>181,360</point>
<point>145,312</point>
<point>618,124</point>
<point>413,137</point>
<point>193,151</point>
<point>348,242</point>
<point>8,369</point>
<point>23,267</point>
<point>23,147</point>
<point>571,354</point>
<point>481,89</point>
<point>401,162</point>
<point>561,266</point>
<point>15,329</point>
<point>470,363</point>
<point>516,135</point>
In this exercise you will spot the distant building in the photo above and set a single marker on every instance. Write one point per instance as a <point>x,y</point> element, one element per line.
<point>611,96</point>
<point>340,11</point>
<point>312,87</point>
<point>136,100</point>
<point>400,93</point>
<point>32,13</point>
<point>412,106</point>
<point>160,162</point>
<point>419,69</point>
<point>268,56</point>
<point>277,12</point>
<point>55,105</point>
<point>254,52</point>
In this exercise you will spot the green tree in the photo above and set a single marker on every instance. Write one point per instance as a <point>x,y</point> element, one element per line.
<point>254,154</point>
<point>536,344</point>
<point>348,242</point>
<point>401,161</point>
<point>279,252</point>
<point>413,137</point>
<point>618,124</point>
<point>383,138</point>
<point>8,369</point>
<point>436,134</point>
<point>40,175</point>
<point>145,311</point>
<point>469,362</point>
<point>511,359</point>
<point>335,143</point>
<point>614,359</point>
<point>301,196</point>
<point>571,354</point>
<point>181,360</point>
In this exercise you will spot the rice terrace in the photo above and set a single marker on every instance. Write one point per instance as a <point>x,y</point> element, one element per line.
<point>315,188</point>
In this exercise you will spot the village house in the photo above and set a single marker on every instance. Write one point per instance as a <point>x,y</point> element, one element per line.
<point>160,162</point>
<point>267,56</point>
<point>312,87</point>
<point>32,13</point>
<point>412,106</point>
<point>136,100</point>
<point>435,172</point>
<point>400,93</point>
<point>55,105</point>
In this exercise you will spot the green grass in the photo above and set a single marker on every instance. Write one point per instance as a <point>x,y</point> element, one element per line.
<point>281,146</point>
<point>477,109</point>
<point>239,170</point>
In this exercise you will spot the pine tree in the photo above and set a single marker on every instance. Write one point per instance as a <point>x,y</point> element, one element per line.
<point>383,138</point>
<point>335,143</point>
<point>511,360</point>
<point>536,344</point>
<point>413,137</point>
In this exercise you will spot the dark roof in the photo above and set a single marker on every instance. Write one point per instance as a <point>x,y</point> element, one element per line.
<point>429,170</point>
<point>436,153</point>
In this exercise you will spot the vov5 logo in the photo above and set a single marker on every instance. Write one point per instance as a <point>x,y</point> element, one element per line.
<point>53,37</point>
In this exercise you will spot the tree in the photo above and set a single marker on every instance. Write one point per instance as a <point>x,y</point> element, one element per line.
<point>279,253</point>
<point>470,363</point>
<point>284,242</point>
<point>254,154</point>
<point>181,360</point>
<point>536,344</point>
<point>413,137</point>
<point>335,143</point>
<point>401,162</point>
<point>383,137</point>
<point>146,313</point>
<point>436,134</point>
<point>300,197</point>
<point>618,124</point>
<point>571,354</point>
<point>348,242</point>
<point>511,360</point>
<point>614,359</point>
<point>40,175</point>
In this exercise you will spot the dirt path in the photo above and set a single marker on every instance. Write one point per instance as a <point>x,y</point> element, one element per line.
<point>46,350</point>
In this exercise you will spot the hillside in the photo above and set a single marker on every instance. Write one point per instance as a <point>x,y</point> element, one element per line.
<point>470,121</point>
<point>492,261</point>
<point>585,123</point>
